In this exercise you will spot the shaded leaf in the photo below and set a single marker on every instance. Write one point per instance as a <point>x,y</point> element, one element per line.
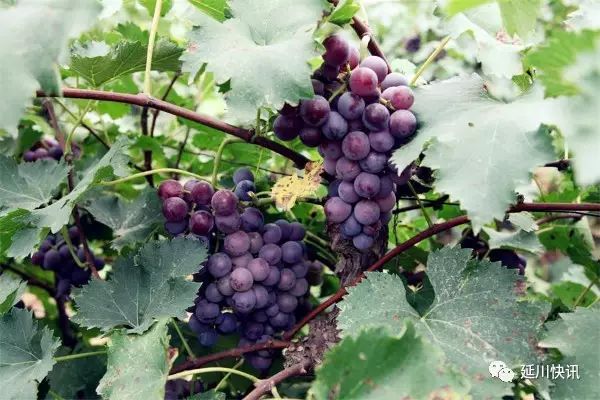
<point>77,377</point>
<point>11,289</point>
<point>517,240</point>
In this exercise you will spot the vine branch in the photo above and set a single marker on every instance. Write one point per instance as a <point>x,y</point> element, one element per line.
<point>143,100</point>
<point>266,385</point>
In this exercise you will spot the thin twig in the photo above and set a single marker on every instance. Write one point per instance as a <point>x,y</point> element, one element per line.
<point>181,149</point>
<point>164,98</point>
<point>147,153</point>
<point>429,60</point>
<point>553,218</point>
<point>30,279</point>
<point>150,51</point>
<point>60,136</point>
<point>152,172</point>
<point>143,100</point>
<point>266,385</point>
<point>582,295</point>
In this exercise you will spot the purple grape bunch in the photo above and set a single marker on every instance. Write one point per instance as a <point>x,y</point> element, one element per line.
<point>366,119</point>
<point>54,255</point>
<point>46,149</point>
<point>256,280</point>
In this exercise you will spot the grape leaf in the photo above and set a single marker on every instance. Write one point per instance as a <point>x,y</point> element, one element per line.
<point>131,221</point>
<point>587,16</point>
<point>476,317</point>
<point>517,240</point>
<point>523,220</point>
<point>343,12</point>
<point>137,365</point>
<point>30,184</point>
<point>24,229</point>
<point>11,289</point>
<point>552,58</point>
<point>210,395</point>
<point>26,351</point>
<point>263,50</point>
<point>48,24</point>
<point>505,144</point>
<point>123,59</point>
<point>143,288</point>
<point>78,376</point>
<point>576,336</point>
<point>150,4</point>
<point>377,366</point>
<point>214,8</point>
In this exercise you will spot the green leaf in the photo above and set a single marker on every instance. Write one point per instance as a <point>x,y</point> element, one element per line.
<point>517,240</point>
<point>30,184</point>
<point>138,365</point>
<point>123,59</point>
<point>377,366</point>
<point>551,59</point>
<point>214,8</point>
<point>343,12</point>
<point>77,378</point>
<point>26,227</point>
<point>211,395</point>
<point>570,292</point>
<point>151,4</point>
<point>268,63</point>
<point>143,288</point>
<point>26,352</point>
<point>576,336</point>
<point>505,144</point>
<point>466,319</point>
<point>35,35</point>
<point>456,6</point>
<point>131,221</point>
<point>523,220</point>
<point>11,289</point>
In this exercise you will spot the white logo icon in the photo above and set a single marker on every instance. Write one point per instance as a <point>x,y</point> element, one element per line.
<point>498,369</point>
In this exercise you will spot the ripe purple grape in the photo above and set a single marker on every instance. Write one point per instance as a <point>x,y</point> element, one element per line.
<point>376,117</point>
<point>300,288</point>
<point>256,242</point>
<point>392,80</point>
<point>310,136</point>
<point>252,220</point>
<point>262,296</point>
<point>272,233</point>
<point>403,124</point>
<point>227,323</point>
<point>367,185</point>
<point>336,210</point>
<point>174,209</point>
<point>374,162</point>
<point>212,293</point>
<point>286,127</point>
<point>291,252</point>
<point>354,58</point>
<point>259,269</point>
<point>219,265</point>
<point>363,82</point>
<point>400,97</point>
<point>273,277</point>
<point>228,223</point>
<point>170,188</point>
<point>315,111</point>
<point>355,145</point>
<point>366,212</point>
<point>337,51</point>
<point>55,152</point>
<point>241,280</point>
<point>244,302</point>
<point>351,106</point>
<point>362,241</point>
<point>241,261</point>
<point>202,193</point>
<point>176,228</point>
<point>336,127</point>
<point>201,223</point>
<point>271,253</point>
<point>224,202</point>
<point>242,174</point>
<point>346,169</point>
<point>243,189</point>
<point>386,203</point>
<point>286,229</point>
<point>347,193</point>
<point>297,231</point>
<point>224,285</point>
<point>381,141</point>
<point>287,303</point>
<point>206,311</point>
<point>351,227</point>
<point>377,64</point>
<point>330,149</point>
<point>300,269</point>
<point>237,243</point>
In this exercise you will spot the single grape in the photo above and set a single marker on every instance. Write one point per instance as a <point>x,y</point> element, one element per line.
<point>314,275</point>
<point>241,261</point>
<point>29,156</point>
<point>330,149</point>
<point>224,286</point>
<point>329,165</point>
<point>74,235</point>
<point>237,243</point>
<point>38,258</point>
<point>291,252</point>
<point>385,217</point>
<point>297,231</point>
<point>208,338</point>
<point>376,117</point>
<point>243,189</point>
<point>206,311</point>
<point>271,253</point>
<point>46,245</point>
<point>272,311</point>
<point>377,64</point>
<point>64,252</point>
<point>170,188</point>
<point>260,363</point>
<point>280,320</point>
<point>252,220</point>
<point>337,51</point>
<point>242,174</point>
<point>362,241</point>
<point>212,293</point>
<point>300,288</point>
<point>356,125</point>
<point>202,193</point>
<point>400,97</point>
<point>227,324</point>
<point>176,228</point>
<point>259,269</point>
<point>386,203</point>
<point>336,126</point>
<point>224,202</point>
<point>310,136</point>
<point>367,212</point>
<point>174,209</point>
<point>373,229</point>
<point>52,260</point>
<point>286,127</point>
<point>41,153</point>
<point>354,58</point>
<point>315,111</point>
<point>273,277</point>
<point>332,189</point>
<point>80,276</point>
<point>351,227</point>
<point>300,269</point>
<point>363,82</point>
<point>347,193</point>
<point>271,233</point>
<point>201,223</point>
<point>219,264</point>
<point>337,210</point>
<point>256,242</point>
<point>318,87</point>
<point>374,162</point>
<point>286,229</point>
<point>55,152</point>
<point>241,279</point>
<point>287,302</point>
<point>244,302</point>
<point>351,106</point>
<point>413,44</point>
<point>403,124</point>
<point>381,141</point>
<point>228,223</point>
<point>253,330</point>
<point>262,296</point>
<point>355,145</point>
<point>392,80</point>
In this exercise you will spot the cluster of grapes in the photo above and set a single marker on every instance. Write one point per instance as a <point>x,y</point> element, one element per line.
<point>508,258</point>
<point>181,389</point>
<point>44,150</point>
<point>54,255</point>
<point>355,131</point>
<point>256,280</point>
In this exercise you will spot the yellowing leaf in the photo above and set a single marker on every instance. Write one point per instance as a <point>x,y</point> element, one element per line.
<point>288,189</point>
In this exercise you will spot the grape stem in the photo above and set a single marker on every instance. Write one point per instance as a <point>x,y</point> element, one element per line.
<point>151,172</point>
<point>420,203</point>
<point>183,374</point>
<point>67,238</point>
<point>143,100</point>
<point>227,375</point>
<point>218,156</point>
<point>78,122</point>
<point>79,355</point>
<point>429,60</point>
<point>150,52</point>
<point>265,385</point>
<point>186,345</point>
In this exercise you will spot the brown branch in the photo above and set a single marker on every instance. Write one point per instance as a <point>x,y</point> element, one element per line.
<point>63,323</point>
<point>553,218</point>
<point>561,165</point>
<point>235,352</point>
<point>181,149</point>
<point>147,153</point>
<point>550,207</point>
<point>266,385</point>
<point>143,100</point>
<point>60,136</point>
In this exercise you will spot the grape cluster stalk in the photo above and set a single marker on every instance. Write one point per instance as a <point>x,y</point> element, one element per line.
<point>257,277</point>
<point>54,255</point>
<point>357,118</point>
